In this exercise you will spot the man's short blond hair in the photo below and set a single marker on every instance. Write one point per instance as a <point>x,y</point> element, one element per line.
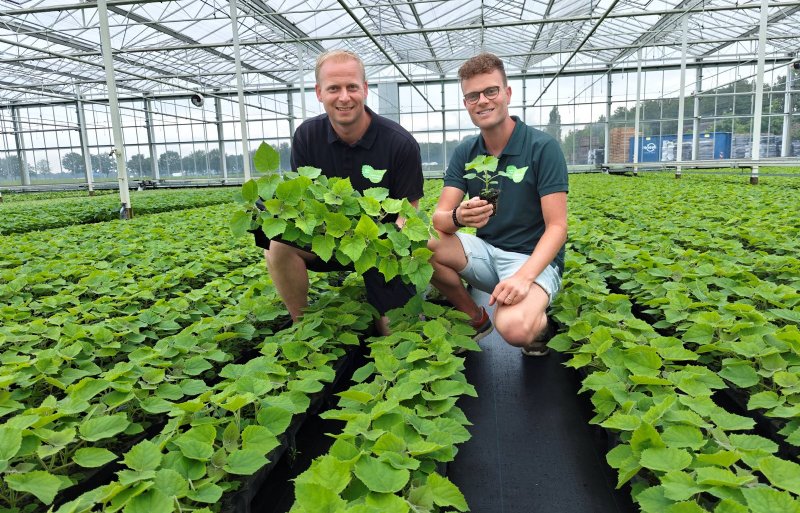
<point>339,56</point>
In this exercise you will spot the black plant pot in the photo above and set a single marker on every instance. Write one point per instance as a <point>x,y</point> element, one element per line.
<point>492,196</point>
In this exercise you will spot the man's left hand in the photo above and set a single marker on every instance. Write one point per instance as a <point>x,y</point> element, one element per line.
<point>510,291</point>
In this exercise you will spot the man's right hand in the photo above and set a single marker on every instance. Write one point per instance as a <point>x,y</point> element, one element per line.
<point>474,212</point>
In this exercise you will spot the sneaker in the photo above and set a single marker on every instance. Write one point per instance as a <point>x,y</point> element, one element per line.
<point>539,346</point>
<point>483,326</point>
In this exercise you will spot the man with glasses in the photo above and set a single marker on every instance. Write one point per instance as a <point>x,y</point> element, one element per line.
<point>517,255</point>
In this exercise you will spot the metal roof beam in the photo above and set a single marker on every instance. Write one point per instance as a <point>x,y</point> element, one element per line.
<point>56,38</point>
<point>795,3</point>
<point>665,22</point>
<point>425,36</point>
<point>384,52</point>
<point>772,19</point>
<point>182,37</point>
<point>257,8</point>
<point>538,34</point>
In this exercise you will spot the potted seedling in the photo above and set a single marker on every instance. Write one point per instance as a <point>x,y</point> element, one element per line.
<point>484,168</point>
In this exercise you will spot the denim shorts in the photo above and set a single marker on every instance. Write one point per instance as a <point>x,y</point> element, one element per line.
<point>488,265</point>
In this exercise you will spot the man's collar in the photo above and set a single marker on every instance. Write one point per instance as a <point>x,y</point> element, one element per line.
<point>515,142</point>
<point>366,141</point>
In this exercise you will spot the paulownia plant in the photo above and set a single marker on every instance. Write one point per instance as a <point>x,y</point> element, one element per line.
<point>331,219</point>
<point>484,168</point>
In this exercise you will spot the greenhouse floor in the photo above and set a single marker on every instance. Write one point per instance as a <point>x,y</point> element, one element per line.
<point>532,449</point>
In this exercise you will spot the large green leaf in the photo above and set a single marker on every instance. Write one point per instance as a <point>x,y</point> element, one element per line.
<point>367,229</point>
<point>445,493</point>
<point>684,436</point>
<point>266,158</point>
<point>150,501</point>
<point>99,428</point>
<point>259,438</point>
<point>91,457</point>
<point>323,246</point>
<point>371,174</point>
<point>245,462</point>
<point>43,485</point>
<point>761,499</point>
<point>336,224</point>
<point>328,472</point>
<point>380,476</point>
<point>171,483</point>
<point>715,476</point>
<point>312,497</point>
<point>143,456</point>
<point>10,442</point>
<point>275,418</point>
<point>353,247</point>
<point>781,473</point>
<point>250,191</point>
<point>290,192</point>
<point>665,459</point>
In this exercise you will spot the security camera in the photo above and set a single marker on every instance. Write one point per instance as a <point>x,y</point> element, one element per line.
<point>197,99</point>
<point>796,65</point>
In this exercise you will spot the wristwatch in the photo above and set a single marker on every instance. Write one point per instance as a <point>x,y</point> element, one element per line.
<point>455,219</point>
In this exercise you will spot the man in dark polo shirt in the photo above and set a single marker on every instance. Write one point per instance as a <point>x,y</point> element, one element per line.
<point>339,143</point>
<point>517,255</point>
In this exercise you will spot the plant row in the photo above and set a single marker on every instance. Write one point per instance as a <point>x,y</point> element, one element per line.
<point>401,423</point>
<point>705,323</point>
<point>746,327</point>
<point>681,450</point>
<point>64,277</point>
<point>25,217</point>
<point>224,432</point>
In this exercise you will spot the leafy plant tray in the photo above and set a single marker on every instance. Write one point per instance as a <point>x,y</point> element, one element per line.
<point>241,500</point>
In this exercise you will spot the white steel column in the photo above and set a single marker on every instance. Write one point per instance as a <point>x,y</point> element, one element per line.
<point>524,98</point>
<point>786,144</point>
<point>290,110</point>
<point>24,172</point>
<point>116,120</point>
<point>223,161</point>
<point>638,108</point>
<point>444,124</point>
<point>698,88</point>
<point>151,137</point>
<point>755,153</point>
<point>607,145</point>
<point>87,159</point>
<point>240,90</point>
<point>302,73</point>
<point>681,100</point>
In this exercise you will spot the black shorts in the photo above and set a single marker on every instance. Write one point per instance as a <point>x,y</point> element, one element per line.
<point>380,294</point>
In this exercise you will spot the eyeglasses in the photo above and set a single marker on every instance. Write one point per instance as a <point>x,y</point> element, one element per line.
<point>490,93</point>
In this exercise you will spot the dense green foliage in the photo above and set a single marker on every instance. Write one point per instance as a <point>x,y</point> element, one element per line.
<point>21,217</point>
<point>679,291</point>
<point>156,343</point>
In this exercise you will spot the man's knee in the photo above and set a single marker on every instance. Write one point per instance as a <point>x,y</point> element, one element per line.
<point>445,249</point>
<point>519,329</point>
<point>279,253</point>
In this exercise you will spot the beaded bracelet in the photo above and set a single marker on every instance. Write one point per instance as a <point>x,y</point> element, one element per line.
<point>455,219</point>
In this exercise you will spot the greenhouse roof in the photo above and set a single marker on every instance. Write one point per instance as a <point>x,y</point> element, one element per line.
<point>52,49</point>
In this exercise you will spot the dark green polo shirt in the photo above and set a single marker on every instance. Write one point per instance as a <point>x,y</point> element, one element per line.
<point>518,224</point>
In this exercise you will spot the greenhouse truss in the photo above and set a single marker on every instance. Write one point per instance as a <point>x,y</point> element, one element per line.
<point>194,86</point>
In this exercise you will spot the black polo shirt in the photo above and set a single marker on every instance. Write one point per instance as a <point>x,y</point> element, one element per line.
<point>385,145</point>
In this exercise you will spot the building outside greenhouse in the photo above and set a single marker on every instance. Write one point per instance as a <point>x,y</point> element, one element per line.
<point>148,360</point>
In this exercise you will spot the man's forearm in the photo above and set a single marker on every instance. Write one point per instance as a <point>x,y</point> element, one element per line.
<point>544,253</point>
